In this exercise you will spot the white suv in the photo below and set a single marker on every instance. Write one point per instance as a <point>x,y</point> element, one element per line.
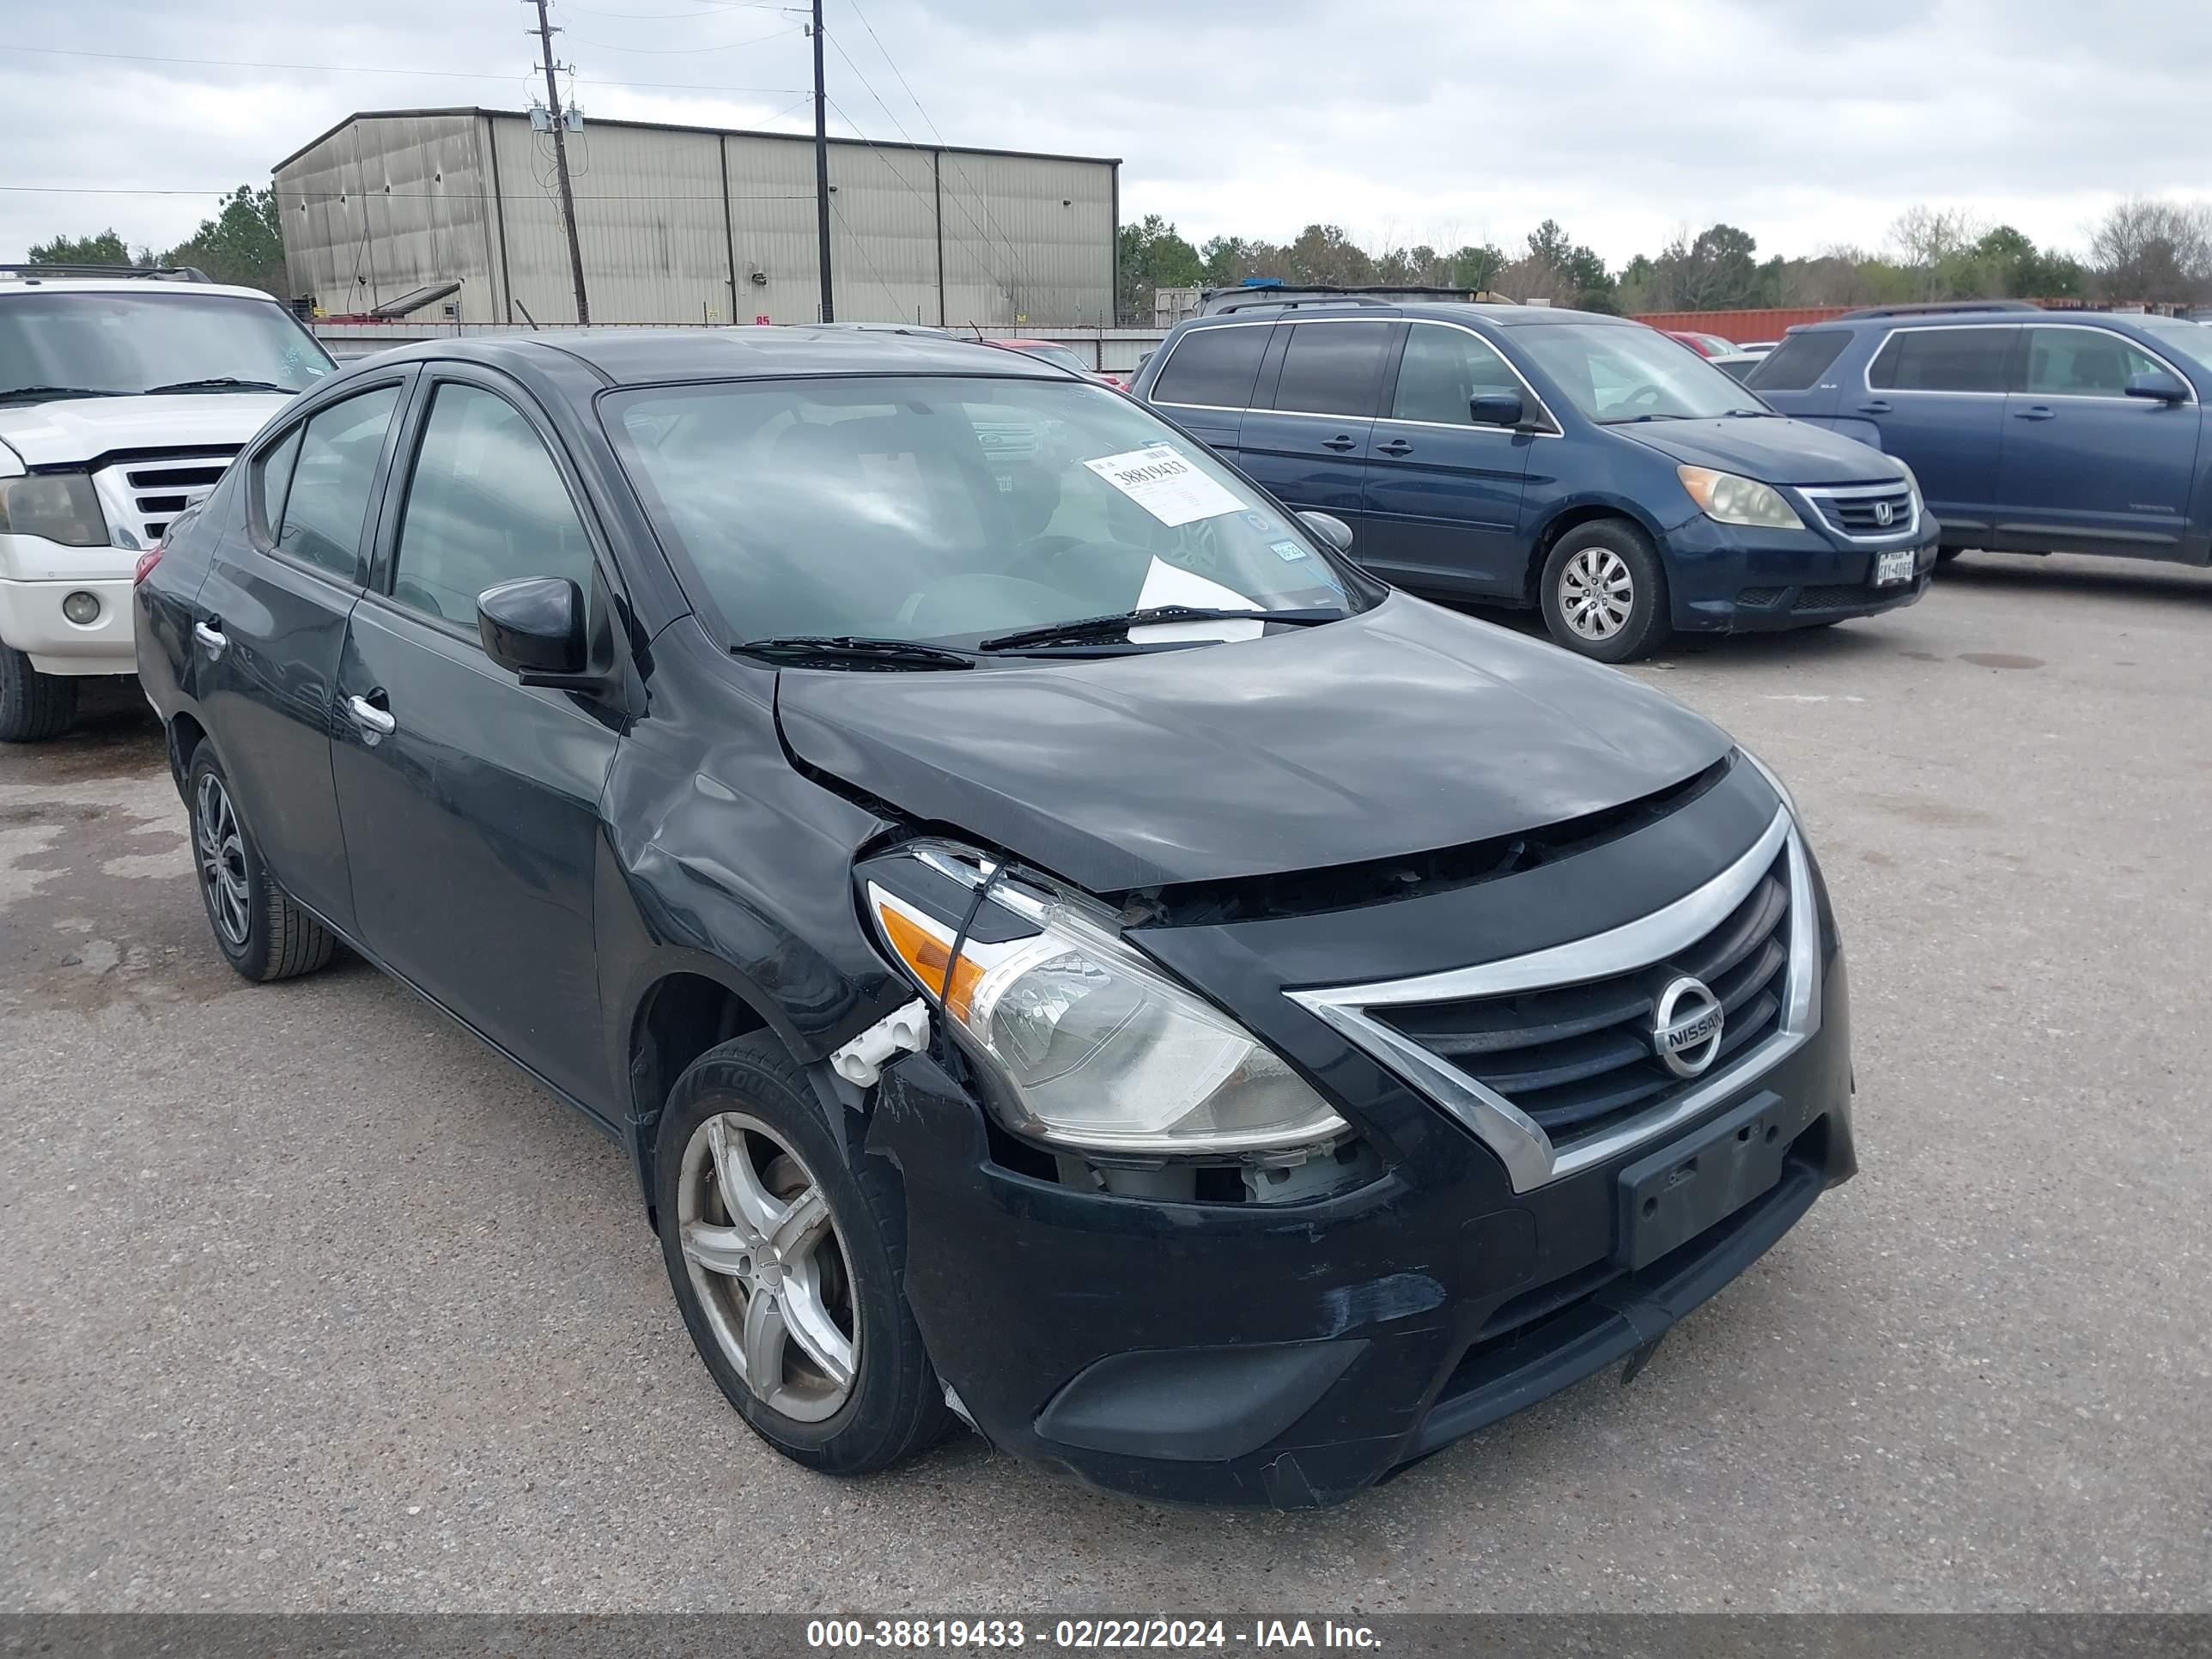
<point>123,395</point>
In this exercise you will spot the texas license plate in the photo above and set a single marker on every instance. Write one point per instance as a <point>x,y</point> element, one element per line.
<point>1890,569</point>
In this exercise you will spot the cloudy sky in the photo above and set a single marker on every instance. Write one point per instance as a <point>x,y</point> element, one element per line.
<point>1806,122</point>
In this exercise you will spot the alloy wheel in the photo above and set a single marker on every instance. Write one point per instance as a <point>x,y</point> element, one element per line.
<point>1596,592</point>
<point>221,845</point>
<point>769,1265</point>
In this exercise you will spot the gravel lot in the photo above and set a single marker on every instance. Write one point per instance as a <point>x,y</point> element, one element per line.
<point>312,1302</point>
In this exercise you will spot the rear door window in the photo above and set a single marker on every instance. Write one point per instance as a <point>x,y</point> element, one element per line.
<point>1334,368</point>
<point>1944,360</point>
<point>1213,366</point>
<point>2083,362</point>
<point>328,502</point>
<point>1798,363</point>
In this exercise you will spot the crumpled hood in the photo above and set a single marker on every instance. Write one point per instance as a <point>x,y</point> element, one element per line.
<point>1772,451</point>
<point>70,431</point>
<point>1405,729</point>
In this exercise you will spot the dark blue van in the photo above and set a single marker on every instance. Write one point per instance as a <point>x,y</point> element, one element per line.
<point>1529,456</point>
<point>2031,431</point>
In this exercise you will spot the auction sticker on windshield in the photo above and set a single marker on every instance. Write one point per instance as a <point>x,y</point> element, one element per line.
<point>1165,485</point>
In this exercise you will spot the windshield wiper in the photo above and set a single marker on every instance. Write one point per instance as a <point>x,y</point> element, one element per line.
<point>855,651</point>
<point>15,392</point>
<point>218,383</point>
<point>1106,627</point>
<point>1635,420</point>
<point>1753,415</point>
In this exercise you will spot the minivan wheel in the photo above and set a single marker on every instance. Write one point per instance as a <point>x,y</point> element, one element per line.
<point>34,707</point>
<point>1604,593</point>
<point>1945,554</point>
<point>260,932</point>
<point>786,1260</point>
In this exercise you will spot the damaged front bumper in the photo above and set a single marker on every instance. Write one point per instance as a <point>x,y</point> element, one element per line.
<point>1288,1355</point>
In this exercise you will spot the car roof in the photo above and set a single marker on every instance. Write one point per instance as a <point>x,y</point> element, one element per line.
<point>645,356</point>
<point>1437,311</point>
<point>2008,319</point>
<point>11,283</point>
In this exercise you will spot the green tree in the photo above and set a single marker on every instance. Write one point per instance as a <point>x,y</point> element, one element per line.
<point>1323,253</point>
<point>1476,268</point>
<point>244,243</point>
<point>104,249</point>
<point>1152,256</point>
<point>1559,269</point>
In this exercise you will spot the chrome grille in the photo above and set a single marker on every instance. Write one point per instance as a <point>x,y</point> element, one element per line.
<point>150,494</point>
<point>1533,1053</point>
<point>1579,1058</point>
<point>1859,512</point>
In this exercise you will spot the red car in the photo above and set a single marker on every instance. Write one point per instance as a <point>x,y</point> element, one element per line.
<point>1705,345</point>
<point>1060,356</point>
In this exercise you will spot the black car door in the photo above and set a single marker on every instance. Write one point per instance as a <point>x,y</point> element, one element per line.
<point>469,801</point>
<point>269,622</point>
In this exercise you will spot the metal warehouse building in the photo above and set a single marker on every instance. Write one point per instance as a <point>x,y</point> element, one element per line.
<point>691,225</point>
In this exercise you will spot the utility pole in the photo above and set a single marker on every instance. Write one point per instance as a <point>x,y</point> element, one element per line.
<point>545,32</point>
<point>821,165</point>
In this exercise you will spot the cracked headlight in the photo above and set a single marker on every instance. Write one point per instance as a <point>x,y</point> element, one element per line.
<point>1728,499</point>
<point>1082,1042</point>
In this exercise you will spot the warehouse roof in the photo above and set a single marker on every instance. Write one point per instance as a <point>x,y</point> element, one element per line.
<point>670,126</point>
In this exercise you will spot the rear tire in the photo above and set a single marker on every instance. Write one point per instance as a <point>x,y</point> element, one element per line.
<point>841,1383</point>
<point>1604,593</point>
<point>262,934</point>
<point>34,706</point>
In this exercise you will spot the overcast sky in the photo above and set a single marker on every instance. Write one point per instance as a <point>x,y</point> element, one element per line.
<point>1805,122</point>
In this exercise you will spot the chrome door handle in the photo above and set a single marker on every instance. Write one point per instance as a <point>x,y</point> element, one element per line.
<point>211,635</point>
<point>2040,412</point>
<point>377,722</point>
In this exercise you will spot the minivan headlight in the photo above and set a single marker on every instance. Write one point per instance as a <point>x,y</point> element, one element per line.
<point>1728,498</point>
<point>1082,1042</point>
<point>61,506</point>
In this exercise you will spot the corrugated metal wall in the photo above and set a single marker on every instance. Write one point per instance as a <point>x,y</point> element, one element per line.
<point>380,207</point>
<point>691,226</point>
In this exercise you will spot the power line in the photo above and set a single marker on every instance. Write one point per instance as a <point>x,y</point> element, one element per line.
<point>982,201</point>
<point>983,234</point>
<point>359,69</point>
<point>687,52</point>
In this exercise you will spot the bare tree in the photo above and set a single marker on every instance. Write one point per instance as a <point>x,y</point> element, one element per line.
<point>2151,250</point>
<point>1929,242</point>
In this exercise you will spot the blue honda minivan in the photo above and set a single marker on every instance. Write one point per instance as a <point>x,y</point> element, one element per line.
<point>2031,431</point>
<point>1584,464</point>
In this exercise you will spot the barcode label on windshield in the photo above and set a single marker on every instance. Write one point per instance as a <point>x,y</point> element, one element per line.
<point>1165,484</point>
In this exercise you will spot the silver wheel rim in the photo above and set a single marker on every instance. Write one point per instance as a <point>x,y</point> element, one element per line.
<point>769,1265</point>
<point>1596,592</point>
<point>221,845</point>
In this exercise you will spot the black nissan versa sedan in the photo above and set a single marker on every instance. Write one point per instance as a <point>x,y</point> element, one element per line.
<point>1061,946</point>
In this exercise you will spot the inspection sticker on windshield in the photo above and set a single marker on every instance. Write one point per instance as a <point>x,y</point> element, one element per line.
<point>1165,485</point>
<point>1288,552</point>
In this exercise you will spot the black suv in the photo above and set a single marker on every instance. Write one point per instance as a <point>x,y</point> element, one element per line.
<point>1060,946</point>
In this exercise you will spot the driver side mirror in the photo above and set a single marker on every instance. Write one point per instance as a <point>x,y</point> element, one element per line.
<point>2157,385</point>
<point>1330,528</point>
<point>534,628</point>
<point>1495,409</point>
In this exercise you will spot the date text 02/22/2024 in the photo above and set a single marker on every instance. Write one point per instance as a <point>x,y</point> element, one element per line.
<point>1085,1634</point>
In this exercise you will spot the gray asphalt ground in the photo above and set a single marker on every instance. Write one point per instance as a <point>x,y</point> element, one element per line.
<point>309,1301</point>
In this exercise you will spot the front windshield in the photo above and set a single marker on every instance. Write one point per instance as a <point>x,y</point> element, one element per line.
<point>2180,338</point>
<point>105,342</point>
<point>944,510</point>
<point>1059,356</point>
<point>1615,373</point>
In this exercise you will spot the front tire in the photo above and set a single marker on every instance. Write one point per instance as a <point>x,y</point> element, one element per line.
<point>1946,554</point>
<point>1604,593</point>
<point>34,706</point>
<point>262,934</point>
<point>787,1261</point>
